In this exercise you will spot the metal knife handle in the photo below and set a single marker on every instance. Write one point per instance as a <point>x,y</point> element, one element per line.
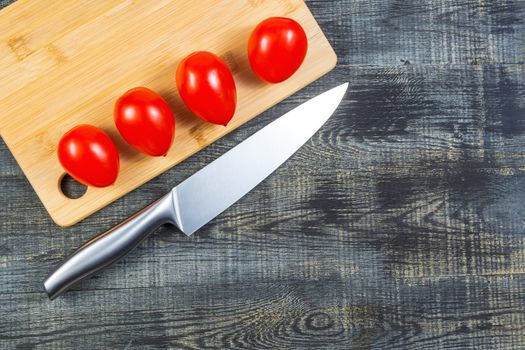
<point>109,247</point>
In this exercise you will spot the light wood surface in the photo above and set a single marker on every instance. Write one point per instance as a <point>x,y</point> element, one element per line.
<point>63,64</point>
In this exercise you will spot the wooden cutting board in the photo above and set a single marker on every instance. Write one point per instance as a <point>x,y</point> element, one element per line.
<point>64,63</point>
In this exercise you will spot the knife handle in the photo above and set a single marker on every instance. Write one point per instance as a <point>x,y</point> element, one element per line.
<point>109,247</point>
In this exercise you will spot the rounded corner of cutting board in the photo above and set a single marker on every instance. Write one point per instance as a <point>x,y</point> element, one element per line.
<point>333,59</point>
<point>63,220</point>
<point>330,56</point>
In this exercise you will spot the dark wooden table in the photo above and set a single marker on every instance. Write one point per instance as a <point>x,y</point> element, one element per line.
<point>401,224</point>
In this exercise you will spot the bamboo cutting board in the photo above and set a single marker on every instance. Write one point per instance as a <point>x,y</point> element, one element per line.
<point>64,63</point>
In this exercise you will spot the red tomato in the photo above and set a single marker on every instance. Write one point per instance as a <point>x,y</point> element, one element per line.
<point>206,86</point>
<point>145,121</point>
<point>89,156</point>
<point>277,48</point>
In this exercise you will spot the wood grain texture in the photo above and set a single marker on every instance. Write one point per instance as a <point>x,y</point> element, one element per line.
<point>69,63</point>
<point>400,225</point>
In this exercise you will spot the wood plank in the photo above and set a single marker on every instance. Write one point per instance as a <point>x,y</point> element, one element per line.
<point>282,314</point>
<point>390,32</point>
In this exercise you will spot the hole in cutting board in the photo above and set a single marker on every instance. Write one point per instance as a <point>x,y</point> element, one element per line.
<point>71,188</point>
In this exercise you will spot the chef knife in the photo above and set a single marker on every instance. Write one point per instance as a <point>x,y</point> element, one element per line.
<point>205,194</point>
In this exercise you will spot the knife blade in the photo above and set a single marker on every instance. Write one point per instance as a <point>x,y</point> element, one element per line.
<point>205,194</point>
